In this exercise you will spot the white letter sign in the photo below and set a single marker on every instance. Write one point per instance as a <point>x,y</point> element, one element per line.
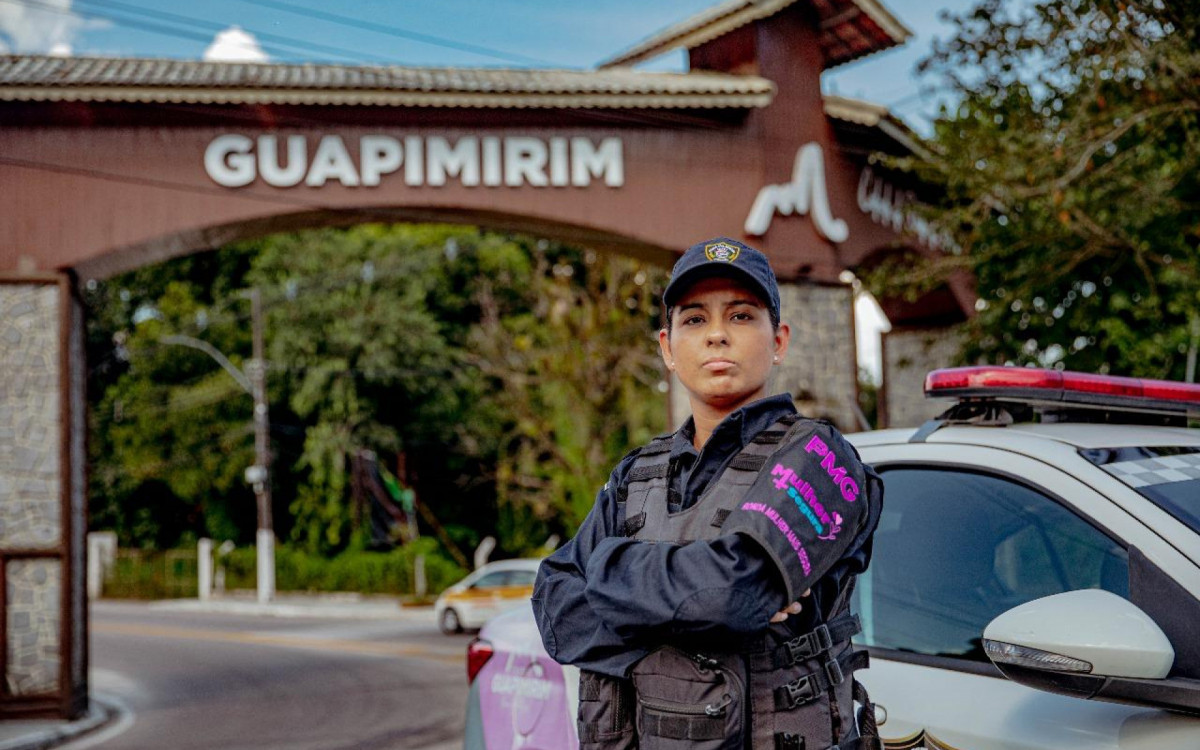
<point>806,192</point>
<point>489,161</point>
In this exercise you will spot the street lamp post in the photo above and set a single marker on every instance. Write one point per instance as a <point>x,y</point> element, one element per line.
<point>262,452</point>
<point>253,380</point>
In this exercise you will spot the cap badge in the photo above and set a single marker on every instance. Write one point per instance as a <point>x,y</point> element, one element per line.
<point>722,251</point>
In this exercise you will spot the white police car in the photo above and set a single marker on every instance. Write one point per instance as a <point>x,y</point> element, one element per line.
<point>1035,581</point>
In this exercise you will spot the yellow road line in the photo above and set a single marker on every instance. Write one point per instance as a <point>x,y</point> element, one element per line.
<point>291,641</point>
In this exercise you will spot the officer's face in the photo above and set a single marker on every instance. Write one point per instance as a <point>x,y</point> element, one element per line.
<point>721,344</point>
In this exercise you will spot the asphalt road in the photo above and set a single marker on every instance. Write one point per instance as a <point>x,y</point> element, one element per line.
<point>205,680</point>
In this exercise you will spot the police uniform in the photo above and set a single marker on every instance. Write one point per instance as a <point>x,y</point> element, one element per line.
<point>667,617</point>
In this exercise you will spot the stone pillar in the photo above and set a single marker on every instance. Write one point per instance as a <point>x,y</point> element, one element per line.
<point>821,367</point>
<point>908,355</point>
<point>43,661</point>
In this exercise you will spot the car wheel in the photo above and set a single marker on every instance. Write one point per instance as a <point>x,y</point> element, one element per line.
<point>450,622</point>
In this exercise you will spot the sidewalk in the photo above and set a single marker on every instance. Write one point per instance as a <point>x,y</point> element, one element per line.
<point>36,734</point>
<point>347,606</point>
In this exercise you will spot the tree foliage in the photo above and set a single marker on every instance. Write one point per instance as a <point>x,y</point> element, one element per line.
<point>577,375</point>
<point>501,376</point>
<point>1069,175</point>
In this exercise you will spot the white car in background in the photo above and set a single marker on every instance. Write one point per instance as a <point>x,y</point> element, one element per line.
<point>1035,582</point>
<point>488,591</point>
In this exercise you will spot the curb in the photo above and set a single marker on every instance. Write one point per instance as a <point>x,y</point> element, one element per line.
<point>99,714</point>
<point>347,610</point>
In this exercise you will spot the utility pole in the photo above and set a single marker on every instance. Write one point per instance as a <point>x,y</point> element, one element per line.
<point>262,456</point>
<point>254,382</point>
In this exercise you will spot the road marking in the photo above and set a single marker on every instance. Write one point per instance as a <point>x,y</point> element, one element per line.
<point>289,641</point>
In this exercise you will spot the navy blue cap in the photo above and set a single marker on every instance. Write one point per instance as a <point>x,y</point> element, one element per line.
<point>722,256</point>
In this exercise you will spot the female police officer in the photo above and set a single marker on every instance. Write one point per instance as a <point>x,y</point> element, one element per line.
<point>678,597</point>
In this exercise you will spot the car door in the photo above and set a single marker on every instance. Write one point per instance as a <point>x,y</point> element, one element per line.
<point>968,532</point>
<point>481,600</point>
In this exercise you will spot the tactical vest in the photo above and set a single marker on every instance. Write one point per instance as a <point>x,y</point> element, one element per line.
<point>779,691</point>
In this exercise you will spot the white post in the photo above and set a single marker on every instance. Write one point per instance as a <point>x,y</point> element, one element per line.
<point>204,569</point>
<point>420,587</point>
<point>101,556</point>
<point>266,565</point>
<point>484,551</point>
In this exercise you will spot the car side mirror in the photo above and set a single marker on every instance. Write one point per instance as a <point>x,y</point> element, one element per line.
<point>1088,644</point>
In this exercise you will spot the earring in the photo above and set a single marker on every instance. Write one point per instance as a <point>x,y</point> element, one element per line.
<point>776,357</point>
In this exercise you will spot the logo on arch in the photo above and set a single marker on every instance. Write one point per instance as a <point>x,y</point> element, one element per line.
<point>722,251</point>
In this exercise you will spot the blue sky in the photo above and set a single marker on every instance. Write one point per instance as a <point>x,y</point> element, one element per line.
<point>504,33</point>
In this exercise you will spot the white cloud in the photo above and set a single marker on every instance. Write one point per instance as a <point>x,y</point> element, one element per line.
<point>235,45</point>
<point>47,29</point>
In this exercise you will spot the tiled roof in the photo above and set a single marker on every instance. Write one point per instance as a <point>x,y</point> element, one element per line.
<point>870,115</point>
<point>849,29</point>
<point>39,78</point>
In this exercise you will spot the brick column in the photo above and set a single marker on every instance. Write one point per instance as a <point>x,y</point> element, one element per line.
<point>821,367</point>
<point>908,355</point>
<point>42,499</point>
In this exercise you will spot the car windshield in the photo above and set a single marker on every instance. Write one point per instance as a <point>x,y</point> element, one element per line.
<point>1168,476</point>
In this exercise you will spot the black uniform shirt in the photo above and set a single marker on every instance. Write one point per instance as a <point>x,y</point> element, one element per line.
<point>603,601</point>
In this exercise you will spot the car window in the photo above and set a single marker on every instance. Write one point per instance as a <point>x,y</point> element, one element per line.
<point>521,577</point>
<point>492,580</point>
<point>1168,476</point>
<point>954,549</point>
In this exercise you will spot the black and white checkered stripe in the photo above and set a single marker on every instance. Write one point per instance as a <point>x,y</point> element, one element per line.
<point>1156,470</point>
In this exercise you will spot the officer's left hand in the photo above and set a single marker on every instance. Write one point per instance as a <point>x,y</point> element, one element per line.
<point>791,609</point>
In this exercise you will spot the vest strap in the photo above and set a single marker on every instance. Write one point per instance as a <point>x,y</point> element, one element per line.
<point>634,524</point>
<point>656,446</point>
<point>808,688</point>
<point>693,728</point>
<point>769,437</point>
<point>813,643</point>
<point>720,516</point>
<point>747,462</point>
<point>819,640</point>
<point>642,473</point>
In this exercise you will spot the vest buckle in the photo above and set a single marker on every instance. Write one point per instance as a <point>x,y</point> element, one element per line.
<point>816,641</point>
<point>801,691</point>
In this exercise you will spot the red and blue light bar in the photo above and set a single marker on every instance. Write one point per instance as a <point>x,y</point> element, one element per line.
<point>1078,389</point>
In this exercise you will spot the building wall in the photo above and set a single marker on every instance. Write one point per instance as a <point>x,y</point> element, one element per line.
<point>30,485</point>
<point>908,355</point>
<point>821,367</point>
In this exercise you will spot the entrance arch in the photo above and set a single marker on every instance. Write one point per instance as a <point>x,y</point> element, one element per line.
<point>108,164</point>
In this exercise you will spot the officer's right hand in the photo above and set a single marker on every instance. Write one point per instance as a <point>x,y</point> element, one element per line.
<point>791,609</point>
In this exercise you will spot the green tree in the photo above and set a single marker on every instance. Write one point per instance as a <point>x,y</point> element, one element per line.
<point>1069,175</point>
<point>171,431</point>
<point>480,366</point>
<point>358,354</point>
<point>578,381</point>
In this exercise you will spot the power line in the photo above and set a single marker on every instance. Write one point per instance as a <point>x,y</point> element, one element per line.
<point>217,27</point>
<point>397,31</point>
<point>181,33</point>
